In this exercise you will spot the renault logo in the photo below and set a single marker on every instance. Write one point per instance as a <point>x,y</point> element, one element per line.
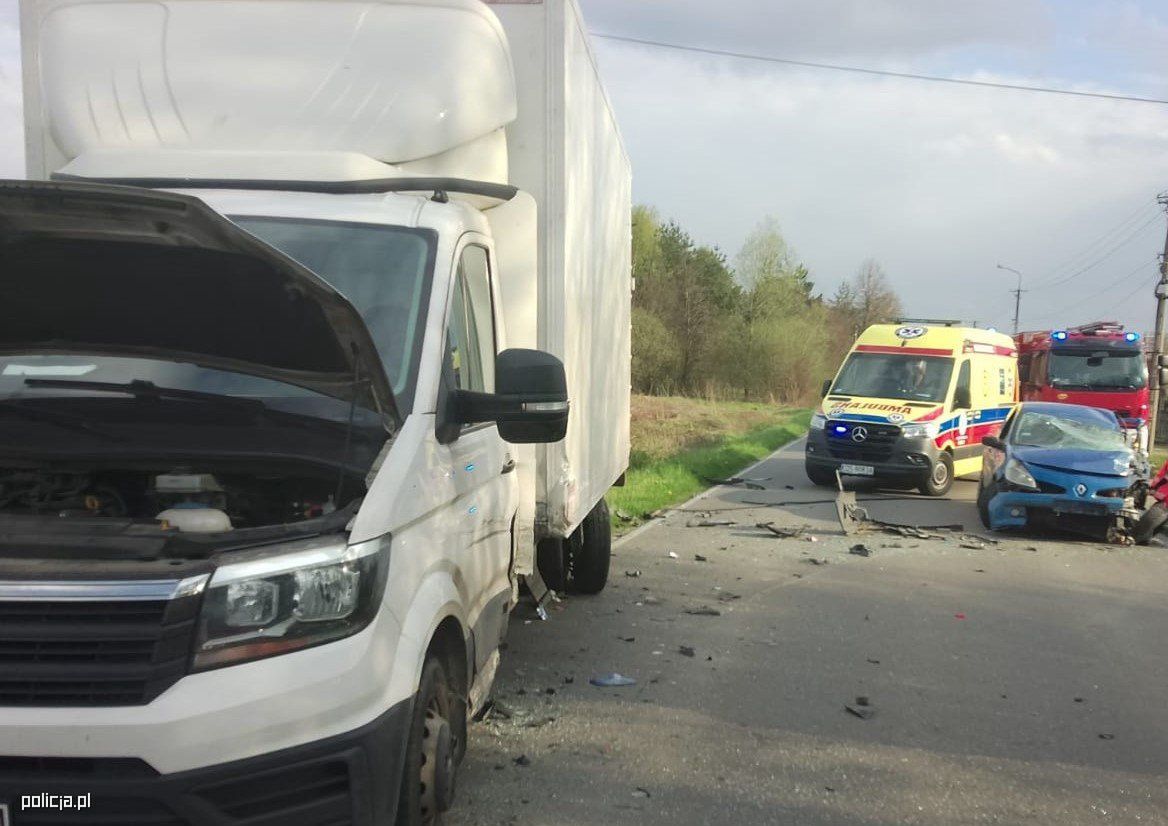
<point>1080,489</point>
<point>859,434</point>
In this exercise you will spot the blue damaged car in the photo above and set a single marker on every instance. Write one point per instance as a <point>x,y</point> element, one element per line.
<point>1062,467</point>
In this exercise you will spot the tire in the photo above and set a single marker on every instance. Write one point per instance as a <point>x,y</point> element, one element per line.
<point>820,476</point>
<point>1152,520</point>
<point>551,557</point>
<point>427,783</point>
<point>984,495</point>
<point>940,477</point>
<point>591,557</point>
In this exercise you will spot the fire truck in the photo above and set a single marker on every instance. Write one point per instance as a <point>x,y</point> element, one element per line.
<point>1099,365</point>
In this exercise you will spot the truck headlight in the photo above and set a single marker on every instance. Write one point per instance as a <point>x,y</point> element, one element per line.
<point>314,592</point>
<point>1016,474</point>
<point>926,430</point>
<point>818,421</point>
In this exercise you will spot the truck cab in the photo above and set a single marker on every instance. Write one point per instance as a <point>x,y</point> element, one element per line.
<point>1096,365</point>
<point>305,378</point>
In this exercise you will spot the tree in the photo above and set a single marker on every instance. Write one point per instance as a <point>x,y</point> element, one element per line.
<point>766,254</point>
<point>867,299</point>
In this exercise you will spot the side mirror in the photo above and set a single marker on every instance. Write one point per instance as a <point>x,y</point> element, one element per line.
<point>961,399</point>
<point>995,442</point>
<point>826,388</point>
<point>530,402</point>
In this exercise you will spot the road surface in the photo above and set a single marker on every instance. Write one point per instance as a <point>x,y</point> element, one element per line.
<point>1021,682</point>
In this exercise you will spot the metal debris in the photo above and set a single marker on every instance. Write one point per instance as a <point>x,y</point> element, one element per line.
<point>710,523</point>
<point>782,533</point>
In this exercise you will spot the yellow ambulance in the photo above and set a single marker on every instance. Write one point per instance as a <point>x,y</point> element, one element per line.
<point>912,403</point>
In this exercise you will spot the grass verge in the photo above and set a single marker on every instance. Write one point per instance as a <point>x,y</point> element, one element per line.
<point>678,444</point>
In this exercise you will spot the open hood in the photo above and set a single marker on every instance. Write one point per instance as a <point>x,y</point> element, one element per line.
<point>118,271</point>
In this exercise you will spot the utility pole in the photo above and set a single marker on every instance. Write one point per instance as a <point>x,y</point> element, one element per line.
<point>1017,294</point>
<point>1158,338</point>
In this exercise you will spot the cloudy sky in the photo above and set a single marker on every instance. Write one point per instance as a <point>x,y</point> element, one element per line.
<point>937,182</point>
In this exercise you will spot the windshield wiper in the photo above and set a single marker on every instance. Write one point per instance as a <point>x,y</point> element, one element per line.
<point>59,418</point>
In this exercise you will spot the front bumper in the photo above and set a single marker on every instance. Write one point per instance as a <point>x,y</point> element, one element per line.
<point>352,778</point>
<point>900,459</point>
<point>1017,509</point>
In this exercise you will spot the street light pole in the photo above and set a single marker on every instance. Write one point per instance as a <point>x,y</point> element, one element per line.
<point>1017,294</point>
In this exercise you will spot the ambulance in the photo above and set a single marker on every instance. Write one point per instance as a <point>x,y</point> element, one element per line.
<point>911,405</point>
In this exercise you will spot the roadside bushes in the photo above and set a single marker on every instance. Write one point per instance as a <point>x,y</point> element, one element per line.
<point>756,331</point>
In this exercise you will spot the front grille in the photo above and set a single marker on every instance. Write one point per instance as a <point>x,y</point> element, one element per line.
<point>876,447</point>
<point>1047,487</point>
<point>93,653</point>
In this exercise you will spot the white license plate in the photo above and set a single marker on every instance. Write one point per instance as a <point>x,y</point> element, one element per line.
<point>857,470</point>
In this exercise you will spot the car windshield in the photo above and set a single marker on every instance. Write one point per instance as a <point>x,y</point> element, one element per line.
<point>19,376</point>
<point>895,376</point>
<point>1098,370</point>
<point>1043,429</point>
<point>383,271</point>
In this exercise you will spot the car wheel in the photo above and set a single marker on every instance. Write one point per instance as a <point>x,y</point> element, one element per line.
<point>1151,521</point>
<point>820,476</point>
<point>984,495</point>
<point>551,557</point>
<point>427,788</point>
<point>590,557</point>
<point>940,477</point>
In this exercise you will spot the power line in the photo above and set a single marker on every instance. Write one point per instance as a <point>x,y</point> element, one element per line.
<point>880,72</point>
<point>1094,296</point>
<point>1109,235</point>
<point>1060,281</point>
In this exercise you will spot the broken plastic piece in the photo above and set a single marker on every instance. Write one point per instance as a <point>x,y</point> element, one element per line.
<point>612,680</point>
<point>860,550</point>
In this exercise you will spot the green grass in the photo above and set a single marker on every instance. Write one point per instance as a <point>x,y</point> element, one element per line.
<point>660,477</point>
<point>1157,458</point>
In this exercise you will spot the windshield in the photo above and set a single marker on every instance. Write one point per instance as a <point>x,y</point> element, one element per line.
<point>16,371</point>
<point>383,271</point>
<point>895,376</point>
<point>1035,429</point>
<point>1098,370</point>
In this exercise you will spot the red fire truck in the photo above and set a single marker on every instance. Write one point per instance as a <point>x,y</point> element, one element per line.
<point>1098,364</point>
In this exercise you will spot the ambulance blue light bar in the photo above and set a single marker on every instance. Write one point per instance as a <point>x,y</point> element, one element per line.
<point>1131,337</point>
<point>1059,335</point>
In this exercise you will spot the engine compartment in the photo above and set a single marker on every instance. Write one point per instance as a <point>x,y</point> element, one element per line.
<point>206,498</point>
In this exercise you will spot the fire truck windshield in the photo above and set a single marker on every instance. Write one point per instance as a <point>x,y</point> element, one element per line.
<point>1098,369</point>
<point>888,376</point>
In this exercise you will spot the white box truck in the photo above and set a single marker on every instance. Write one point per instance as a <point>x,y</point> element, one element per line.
<point>315,339</point>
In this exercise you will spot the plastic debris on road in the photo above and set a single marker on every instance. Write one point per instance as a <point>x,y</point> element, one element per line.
<point>703,611</point>
<point>612,680</point>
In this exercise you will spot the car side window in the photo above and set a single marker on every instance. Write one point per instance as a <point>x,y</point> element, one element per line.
<point>470,330</point>
<point>964,383</point>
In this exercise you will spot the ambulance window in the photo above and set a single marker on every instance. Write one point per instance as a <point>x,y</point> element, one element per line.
<point>962,396</point>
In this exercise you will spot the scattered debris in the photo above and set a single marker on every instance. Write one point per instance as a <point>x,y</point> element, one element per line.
<point>540,723</point>
<point>703,611</point>
<point>624,516</point>
<point>641,792</point>
<point>811,539</point>
<point>979,570</point>
<point>1079,700</point>
<point>1106,736</point>
<point>633,573</point>
<point>854,519</point>
<point>874,662</point>
<point>813,561</point>
<point>789,487</point>
<point>752,484</point>
<point>1032,548</point>
<point>862,701</point>
<point>782,533</point>
<point>612,680</point>
<point>672,555</point>
<point>864,712</point>
<point>710,523</point>
<point>685,650</point>
<point>973,546</point>
<point>627,639</point>
<point>959,616</point>
<point>522,760</point>
<point>726,596</point>
<point>700,558</point>
<point>860,550</point>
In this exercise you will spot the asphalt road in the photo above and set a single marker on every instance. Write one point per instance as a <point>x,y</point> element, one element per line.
<point>1021,682</point>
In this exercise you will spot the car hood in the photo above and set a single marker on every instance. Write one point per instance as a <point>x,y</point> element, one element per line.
<point>1097,462</point>
<point>91,269</point>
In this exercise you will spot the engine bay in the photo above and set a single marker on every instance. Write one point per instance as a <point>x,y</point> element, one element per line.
<point>192,499</point>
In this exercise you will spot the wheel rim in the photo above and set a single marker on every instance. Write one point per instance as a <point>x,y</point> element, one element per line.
<point>436,790</point>
<point>940,473</point>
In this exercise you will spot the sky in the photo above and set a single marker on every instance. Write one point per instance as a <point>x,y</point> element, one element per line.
<point>938,183</point>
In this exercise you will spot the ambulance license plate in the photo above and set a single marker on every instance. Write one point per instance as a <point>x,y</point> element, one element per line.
<point>857,470</point>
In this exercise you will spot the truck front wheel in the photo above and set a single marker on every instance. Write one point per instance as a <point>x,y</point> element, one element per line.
<point>592,554</point>
<point>431,753</point>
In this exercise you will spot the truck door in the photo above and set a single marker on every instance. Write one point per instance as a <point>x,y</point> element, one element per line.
<point>482,464</point>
